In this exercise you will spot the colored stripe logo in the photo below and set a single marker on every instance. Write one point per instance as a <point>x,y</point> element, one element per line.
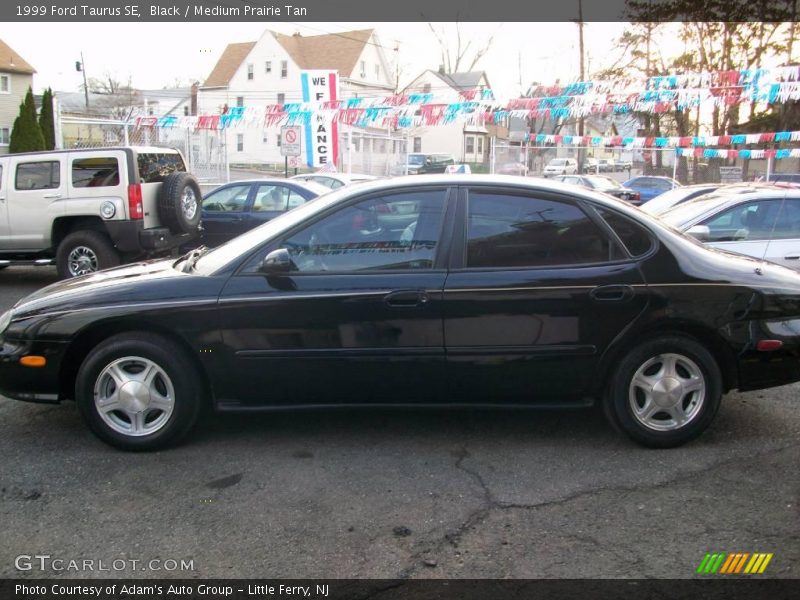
<point>734,563</point>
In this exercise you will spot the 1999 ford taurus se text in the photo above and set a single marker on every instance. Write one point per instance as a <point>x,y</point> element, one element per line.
<point>431,290</point>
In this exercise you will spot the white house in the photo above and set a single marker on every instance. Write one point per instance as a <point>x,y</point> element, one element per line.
<point>16,76</point>
<point>468,144</point>
<point>257,74</point>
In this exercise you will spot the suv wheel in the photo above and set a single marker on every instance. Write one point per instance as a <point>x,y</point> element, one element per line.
<point>138,391</point>
<point>84,252</point>
<point>179,201</point>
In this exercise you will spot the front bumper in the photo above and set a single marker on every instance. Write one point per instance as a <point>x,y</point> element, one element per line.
<point>32,384</point>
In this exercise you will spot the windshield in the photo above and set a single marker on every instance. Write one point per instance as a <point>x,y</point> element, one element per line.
<point>602,183</point>
<point>557,162</point>
<point>222,255</point>
<point>416,159</point>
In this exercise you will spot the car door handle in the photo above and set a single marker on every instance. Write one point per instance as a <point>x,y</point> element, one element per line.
<point>792,257</point>
<point>51,196</point>
<point>406,299</point>
<point>611,293</point>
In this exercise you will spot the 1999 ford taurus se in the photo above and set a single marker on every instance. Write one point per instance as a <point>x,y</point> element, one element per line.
<point>431,290</point>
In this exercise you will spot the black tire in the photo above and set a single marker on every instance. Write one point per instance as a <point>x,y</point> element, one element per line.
<point>101,253</point>
<point>166,355</point>
<point>179,203</point>
<point>694,366</point>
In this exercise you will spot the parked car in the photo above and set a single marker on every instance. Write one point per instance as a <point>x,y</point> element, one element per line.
<point>781,178</point>
<point>591,165</point>
<point>601,183</point>
<point>560,166</point>
<point>493,291</point>
<point>650,186</point>
<point>512,168</point>
<point>761,221</point>
<point>419,163</point>
<point>236,207</point>
<point>606,165</point>
<point>333,181</point>
<point>678,195</point>
<point>93,208</point>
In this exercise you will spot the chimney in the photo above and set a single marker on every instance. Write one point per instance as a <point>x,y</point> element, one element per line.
<point>441,69</point>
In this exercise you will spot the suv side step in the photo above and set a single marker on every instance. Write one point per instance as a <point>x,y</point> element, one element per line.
<point>39,262</point>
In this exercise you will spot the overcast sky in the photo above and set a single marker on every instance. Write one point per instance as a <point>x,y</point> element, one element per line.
<point>156,55</point>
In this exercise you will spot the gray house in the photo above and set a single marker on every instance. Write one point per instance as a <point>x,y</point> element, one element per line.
<point>16,76</point>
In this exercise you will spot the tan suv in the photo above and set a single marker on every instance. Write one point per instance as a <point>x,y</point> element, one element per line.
<point>94,208</point>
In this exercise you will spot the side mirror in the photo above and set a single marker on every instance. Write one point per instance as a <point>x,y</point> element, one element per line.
<point>699,232</point>
<point>277,261</point>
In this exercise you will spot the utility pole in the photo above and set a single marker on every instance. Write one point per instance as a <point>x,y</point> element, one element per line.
<point>81,66</point>
<point>583,78</point>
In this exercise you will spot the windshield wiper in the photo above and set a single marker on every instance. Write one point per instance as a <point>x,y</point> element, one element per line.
<point>190,258</point>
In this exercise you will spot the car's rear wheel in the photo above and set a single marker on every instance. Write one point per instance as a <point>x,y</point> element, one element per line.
<point>84,252</point>
<point>665,392</point>
<point>139,391</point>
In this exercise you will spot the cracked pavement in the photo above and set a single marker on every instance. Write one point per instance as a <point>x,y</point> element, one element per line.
<point>385,494</point>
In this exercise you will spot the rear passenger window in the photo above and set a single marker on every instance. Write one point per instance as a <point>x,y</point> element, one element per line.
<point>636,239</point>
<point>38,176</point>
<point>155,167</point>
<point>102,171</point>
<point>520,231</point>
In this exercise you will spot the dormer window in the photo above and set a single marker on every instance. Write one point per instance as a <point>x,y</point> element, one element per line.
<point>363,69</point>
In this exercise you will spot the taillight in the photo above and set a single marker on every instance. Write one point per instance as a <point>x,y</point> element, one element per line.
<point>135,208</point>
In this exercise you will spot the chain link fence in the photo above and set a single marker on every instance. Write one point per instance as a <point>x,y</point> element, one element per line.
<point>382,155</point>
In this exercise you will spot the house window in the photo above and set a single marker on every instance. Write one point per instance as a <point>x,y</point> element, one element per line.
<point>278,139</point>
<point>185,111</point>
<point>284,69</point>
<point>281,98</point>
<point>470,144</point>
<point>356,144</point>
<point>426,88</point>
<point>239,100</point>
<point>5,84</point>
<point>363,69</point>
<point>268,67</point>
<point>240,142</point>
<point>480,145</point>
<point>377,71</point>
<point>417,144</point>
<point>264,137</point>
<point>250,72</point>
<point>5,136</point>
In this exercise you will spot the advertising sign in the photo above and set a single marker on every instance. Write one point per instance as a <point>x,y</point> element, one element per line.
<point>322,132</point>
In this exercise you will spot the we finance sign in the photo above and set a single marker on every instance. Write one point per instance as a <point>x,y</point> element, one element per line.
<point>322,131</point>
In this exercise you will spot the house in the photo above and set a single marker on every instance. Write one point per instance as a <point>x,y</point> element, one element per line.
<point>16,76</point>
<point>265,72</point>
<point>467,143</point>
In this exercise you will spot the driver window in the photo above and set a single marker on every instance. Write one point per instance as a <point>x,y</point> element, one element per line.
<point>228,199</point>
<point>397,231</point>
<point>751,221</point>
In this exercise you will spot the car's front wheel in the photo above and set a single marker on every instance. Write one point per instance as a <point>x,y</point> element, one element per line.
<point>139,391</point>
<point>665,392</point>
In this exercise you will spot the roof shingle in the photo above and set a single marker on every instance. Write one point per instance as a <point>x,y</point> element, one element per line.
<point>11,62</point>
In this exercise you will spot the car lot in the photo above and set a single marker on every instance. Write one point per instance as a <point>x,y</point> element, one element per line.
<point>402,493</point>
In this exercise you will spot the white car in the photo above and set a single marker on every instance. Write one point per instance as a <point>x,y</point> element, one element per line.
<point>561,166</point>
<point>762,221</point>
<point>334,181</point>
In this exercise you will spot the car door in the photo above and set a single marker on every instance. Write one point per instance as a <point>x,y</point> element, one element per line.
<point>784,244</point>
<point>537,293</point>
<point>745,228</point>
<point>358,319</point>
<point>35,197</point>
<point>225,213</point>
<point>4,231</point>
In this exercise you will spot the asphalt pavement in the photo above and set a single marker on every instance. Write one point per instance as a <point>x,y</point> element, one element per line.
<point>384,494</point>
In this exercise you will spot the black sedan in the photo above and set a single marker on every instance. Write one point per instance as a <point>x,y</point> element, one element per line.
<point>459,291</point>
<point>236,207</point>
<point>600,183</point>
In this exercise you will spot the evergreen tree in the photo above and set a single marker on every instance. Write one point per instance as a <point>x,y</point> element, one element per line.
<point>46,120</point>
<point>26,136</point>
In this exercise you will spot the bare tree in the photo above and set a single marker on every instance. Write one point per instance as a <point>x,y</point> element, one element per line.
<point>464,56</point>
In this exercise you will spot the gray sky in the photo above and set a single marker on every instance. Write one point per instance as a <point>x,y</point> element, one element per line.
<point>155,55</point>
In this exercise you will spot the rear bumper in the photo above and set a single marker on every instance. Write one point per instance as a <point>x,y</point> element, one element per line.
<point>130,236</point>
<point>759,370</point>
